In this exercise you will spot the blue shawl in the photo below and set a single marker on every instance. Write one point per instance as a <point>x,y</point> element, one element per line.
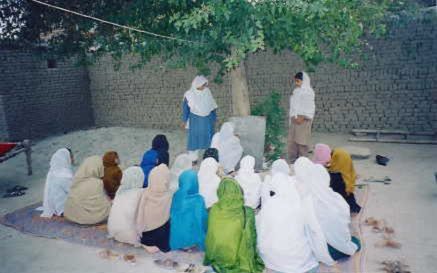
<point>150,160</point>
<point>188,214</point>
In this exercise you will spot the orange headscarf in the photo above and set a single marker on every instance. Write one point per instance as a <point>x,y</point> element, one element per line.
<point>341,162</point>
<point>112,174</point>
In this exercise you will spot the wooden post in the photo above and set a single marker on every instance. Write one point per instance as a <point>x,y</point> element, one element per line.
<point>27,144</point>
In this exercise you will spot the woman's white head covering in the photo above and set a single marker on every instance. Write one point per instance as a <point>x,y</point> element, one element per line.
<point>330,208</point>
<point>133,178</point>
<point>58,182</point>
<point>229,147</point>
<point>249,181</point>
<point>201,102</point>
<point>282,239</point>
<point>182,163</point>
<point>306,82</point>
<point>278,166</point>
<point>121,220</point>
<point>209,181</point>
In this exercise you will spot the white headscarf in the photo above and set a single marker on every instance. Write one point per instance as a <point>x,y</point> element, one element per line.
<point>249,181</point>
<point>121,220</point>
<point>201,102</point>
<point>133,177</point>
<point>282,239</point>
<point>313,229</point>
<point>302,101</point>
<point>229,147</point>
<point>278,166</point>
<point>209,181</point>
<point>306,82</point>
<point>58,183</point>
<point>331,209</point>
<point>182,163</point>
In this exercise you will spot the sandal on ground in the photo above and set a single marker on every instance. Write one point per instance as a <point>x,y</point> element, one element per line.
<point>16,188</point>
<point>13,194</point>
<point>167,264</point>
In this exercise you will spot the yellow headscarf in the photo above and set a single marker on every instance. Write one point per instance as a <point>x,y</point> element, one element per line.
<point>341,162</point>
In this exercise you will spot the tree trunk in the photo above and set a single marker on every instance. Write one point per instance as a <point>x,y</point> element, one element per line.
<point>240,92</point>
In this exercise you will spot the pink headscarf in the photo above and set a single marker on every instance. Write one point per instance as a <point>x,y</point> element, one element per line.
<point>322,154</point>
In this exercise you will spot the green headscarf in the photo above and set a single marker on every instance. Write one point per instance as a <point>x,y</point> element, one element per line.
<point>231,238</point>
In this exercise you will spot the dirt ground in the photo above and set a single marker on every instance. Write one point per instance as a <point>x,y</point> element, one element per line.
<point>408,204</point>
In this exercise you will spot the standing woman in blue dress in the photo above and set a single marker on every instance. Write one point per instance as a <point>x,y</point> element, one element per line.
<point>199,116</point>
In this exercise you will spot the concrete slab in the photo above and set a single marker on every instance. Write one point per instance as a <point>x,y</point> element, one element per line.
<point>251,130</point>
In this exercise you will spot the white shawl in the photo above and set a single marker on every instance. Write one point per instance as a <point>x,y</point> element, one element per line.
<point>282,239</point>
<point>302,100</point>
<point>229,147</point>
<point>209,181</point>
<point>331,209</point>
<point>181,164</point>
<point>249,181</point>
<point>121,220</point>
<point>58,183</point>
<point>201,102</point>
<point>278,166</point>
<point>133,177</point>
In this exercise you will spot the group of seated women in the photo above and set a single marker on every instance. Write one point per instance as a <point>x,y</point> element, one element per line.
<point>285,223</point>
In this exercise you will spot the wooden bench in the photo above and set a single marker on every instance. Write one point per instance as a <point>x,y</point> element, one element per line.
<point>22,147</point>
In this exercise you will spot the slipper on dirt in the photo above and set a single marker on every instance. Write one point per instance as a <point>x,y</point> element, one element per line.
<point>167,264</point>
<point>382,160</point>
<point>16,188</point>
<point>13,194</point>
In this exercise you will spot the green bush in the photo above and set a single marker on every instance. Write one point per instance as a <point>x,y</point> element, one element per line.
<point>270,107</point>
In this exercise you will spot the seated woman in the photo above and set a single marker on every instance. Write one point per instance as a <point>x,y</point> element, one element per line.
<point>250,182</point>
<point>113,173</point>
<point>121,220</point>
<point>155,156</point>
<point>341,171</point>
<point>278,166</point>
<point>211,152</point>
<point>209,181</point>
<point>331,210</point>
<point>231,237</point>
<point>153,212</point>
<point>182,163</point>
<point>283,239</point>
<point>58,183</point>
<point>87,201</point>
<point>229,147</point>
<point>189,217</point>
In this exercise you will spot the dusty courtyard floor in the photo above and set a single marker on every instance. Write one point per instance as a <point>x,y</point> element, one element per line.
<point>409,204</point>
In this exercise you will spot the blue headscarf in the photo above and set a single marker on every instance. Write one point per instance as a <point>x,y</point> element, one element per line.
<point>150,160</point>
<point>189,217</point>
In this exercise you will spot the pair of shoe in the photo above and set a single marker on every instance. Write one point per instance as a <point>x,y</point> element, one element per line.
<point>15,191</point>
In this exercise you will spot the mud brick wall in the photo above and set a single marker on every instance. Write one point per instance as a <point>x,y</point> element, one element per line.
<point>4,134</point>
<point>147,97</point>
<point>394,88</point>
<point>39,101</point>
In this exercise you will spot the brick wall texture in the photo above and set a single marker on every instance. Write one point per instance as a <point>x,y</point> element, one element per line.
<point>38,101</point>
<point>394,88</point>
<point>4,132</point>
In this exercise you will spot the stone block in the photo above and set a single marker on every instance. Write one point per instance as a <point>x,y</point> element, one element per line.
<point>251,130</point>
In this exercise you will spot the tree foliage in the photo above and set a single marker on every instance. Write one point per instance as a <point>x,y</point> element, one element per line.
<point>222,32</point>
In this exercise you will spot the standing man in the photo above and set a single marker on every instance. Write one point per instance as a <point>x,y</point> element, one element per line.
<point>302,108</point>
<point>199,116</point>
